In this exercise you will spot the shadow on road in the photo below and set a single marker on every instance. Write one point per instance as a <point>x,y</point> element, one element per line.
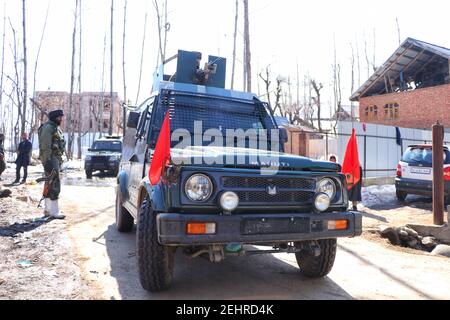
<point>255,277</point>
<point>18,228</point>
<point>413,201</point>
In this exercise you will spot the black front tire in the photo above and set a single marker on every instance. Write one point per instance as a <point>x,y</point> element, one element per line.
<point>89,174</point>
<point>124,220</point>
<point>401,196</point>
<point>155,262</point>
<point>318,267</point>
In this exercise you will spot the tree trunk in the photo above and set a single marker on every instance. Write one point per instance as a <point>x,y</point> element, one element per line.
<point>79,125</point>
<point>2,119</point>
<point>34,120</point>
<point>111,115</point>
<point>142,60</point>
<point>234,44</point>
<point>25,67</point>
<point>248,65</point>
<point>124,115</point>
<point>72,82</point>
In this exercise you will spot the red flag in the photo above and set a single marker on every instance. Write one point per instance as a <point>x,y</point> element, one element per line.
<point>351,165</point>
<point>161,156</point>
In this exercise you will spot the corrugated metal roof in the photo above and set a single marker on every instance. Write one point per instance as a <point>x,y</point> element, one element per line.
<point>411,56</point>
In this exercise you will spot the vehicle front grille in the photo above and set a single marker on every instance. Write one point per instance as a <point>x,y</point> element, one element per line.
<point>99,160</point>
<point>272,191</point>
<point>287,197</point>
<point>262,182</point>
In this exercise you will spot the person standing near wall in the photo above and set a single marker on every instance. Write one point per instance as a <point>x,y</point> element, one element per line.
<point>23,158</point>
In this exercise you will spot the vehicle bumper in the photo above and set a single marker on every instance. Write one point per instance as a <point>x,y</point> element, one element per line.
<point>254,229</point>
<point>101,166</point>
<point>419,187</point>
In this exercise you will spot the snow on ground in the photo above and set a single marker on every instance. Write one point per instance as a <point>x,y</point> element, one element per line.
<point>73,165</point>
<point>378,195</point>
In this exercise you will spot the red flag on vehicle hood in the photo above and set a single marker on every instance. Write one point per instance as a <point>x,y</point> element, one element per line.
<point>351,165</point>
<point>161,156</point>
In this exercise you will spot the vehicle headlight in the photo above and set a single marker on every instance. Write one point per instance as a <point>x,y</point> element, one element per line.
<point>88,158</point>
<point>322,202</point>
<point>198,188</point>
<point>229,201</point>
<point>327,186</point>
<point>113,158</point>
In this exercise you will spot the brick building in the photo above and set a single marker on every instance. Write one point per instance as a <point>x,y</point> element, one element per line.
<point>411,89</point>
<point>95,109</point>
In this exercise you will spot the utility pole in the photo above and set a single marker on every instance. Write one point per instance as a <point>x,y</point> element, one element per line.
<point>248,55</point>
<point>438,174</point>
<point>111,114</point>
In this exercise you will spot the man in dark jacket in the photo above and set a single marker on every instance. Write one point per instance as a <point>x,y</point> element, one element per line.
<point>2,155</point>
<point>23,158</point>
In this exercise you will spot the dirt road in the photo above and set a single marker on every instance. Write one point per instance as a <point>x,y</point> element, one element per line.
<point>363,270</point>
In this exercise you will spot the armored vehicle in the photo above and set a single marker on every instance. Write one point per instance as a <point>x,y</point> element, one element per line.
<point>220,197</point>
<point>104,155</point>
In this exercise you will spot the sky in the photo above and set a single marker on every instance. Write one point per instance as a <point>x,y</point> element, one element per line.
<point>284,34</point>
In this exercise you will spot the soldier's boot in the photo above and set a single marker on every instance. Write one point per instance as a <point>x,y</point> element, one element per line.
<point>47,207</point>
<point>54,212</point>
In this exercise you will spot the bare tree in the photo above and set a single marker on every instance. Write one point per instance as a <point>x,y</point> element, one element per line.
<point>352,86</point>
<point>72,83</point>
<point>248,56</point>
<point>142,60</point>
<point>25,67</point>
<point>163,26</point>
<point>2,114</point>
<point>337,90</point>
<point>124,116</point>
<point>317,87</point>
<point>267,82</point>
<point>79,124</point>
<point>234,43</point>
<point>111,114</point>
<point>33,117</point>
<point>17,89</point>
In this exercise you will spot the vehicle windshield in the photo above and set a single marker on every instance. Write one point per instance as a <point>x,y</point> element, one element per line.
<point>200,115</point>
<point>423,155</point>
<point>114,146</point>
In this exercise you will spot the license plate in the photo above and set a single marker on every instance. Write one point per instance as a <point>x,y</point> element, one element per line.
<point>276,226</point>
<point>421,170</point>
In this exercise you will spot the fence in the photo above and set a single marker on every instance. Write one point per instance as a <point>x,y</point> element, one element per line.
<point>379,150</point>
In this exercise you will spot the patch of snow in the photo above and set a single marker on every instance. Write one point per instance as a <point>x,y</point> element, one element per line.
<point>378,195</point>
<point>73,165</point>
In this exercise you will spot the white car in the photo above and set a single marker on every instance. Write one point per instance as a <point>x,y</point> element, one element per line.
<point>415,172</point>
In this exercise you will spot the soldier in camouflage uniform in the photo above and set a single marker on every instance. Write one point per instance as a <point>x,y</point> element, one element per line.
<point>51,149</point>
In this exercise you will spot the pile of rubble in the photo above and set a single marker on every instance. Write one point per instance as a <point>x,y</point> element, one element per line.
<point>432,239</point>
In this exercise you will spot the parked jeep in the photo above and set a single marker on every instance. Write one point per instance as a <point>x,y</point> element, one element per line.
<point>220,201</point>
<point>104,155</point>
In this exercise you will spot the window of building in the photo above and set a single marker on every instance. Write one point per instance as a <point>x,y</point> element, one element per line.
<point>391,111</point>
<point>371,113</point>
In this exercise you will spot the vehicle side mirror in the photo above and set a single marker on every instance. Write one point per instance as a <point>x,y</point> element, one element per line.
<point>283,136</point>
<point>133,120</point>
